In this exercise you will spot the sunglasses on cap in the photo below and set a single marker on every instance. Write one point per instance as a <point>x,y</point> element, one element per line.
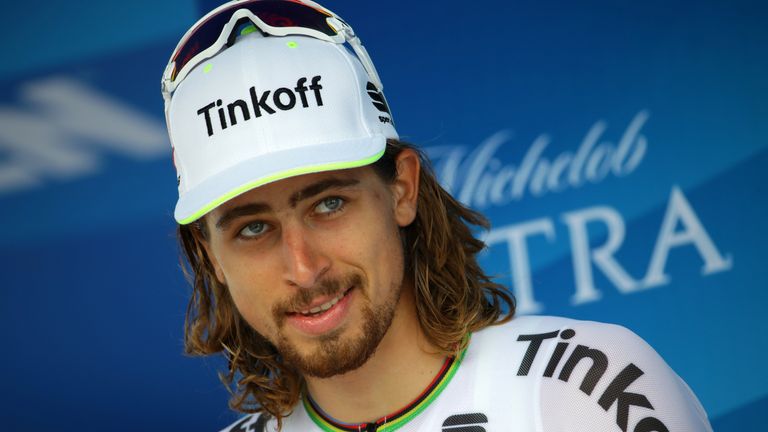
<point>220,27</point>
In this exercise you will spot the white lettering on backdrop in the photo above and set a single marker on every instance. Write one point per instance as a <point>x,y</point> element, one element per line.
<point>480,179</point>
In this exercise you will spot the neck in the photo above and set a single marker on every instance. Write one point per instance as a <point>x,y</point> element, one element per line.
<point>402,367</point>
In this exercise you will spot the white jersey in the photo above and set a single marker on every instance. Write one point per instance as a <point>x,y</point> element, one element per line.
<point>535,374</point>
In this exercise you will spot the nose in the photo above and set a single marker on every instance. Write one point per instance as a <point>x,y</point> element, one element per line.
<point>304,260</point>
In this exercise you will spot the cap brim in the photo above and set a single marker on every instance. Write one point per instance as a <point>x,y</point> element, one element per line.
<point>255,172</point>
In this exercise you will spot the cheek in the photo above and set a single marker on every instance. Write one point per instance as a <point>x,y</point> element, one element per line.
<point>250,288</point>
<point>385,253</point>
<point>255,310</point>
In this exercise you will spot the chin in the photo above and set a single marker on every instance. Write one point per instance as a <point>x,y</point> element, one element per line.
<point>339,352</point>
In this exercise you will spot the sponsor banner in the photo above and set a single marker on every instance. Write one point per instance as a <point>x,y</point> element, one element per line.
<point>620,153</point>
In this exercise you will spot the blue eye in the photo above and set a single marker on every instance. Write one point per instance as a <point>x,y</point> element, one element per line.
<point>329,205</point>
<point>253,229</point>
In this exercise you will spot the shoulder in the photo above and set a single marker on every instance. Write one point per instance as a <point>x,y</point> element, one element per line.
<point>296,420</point>
<point>547,344</point>
<point>532,324</point>
<point>556,346</point>
<point>528,334</point>
<point>589,375</point>
<point>249,423</point>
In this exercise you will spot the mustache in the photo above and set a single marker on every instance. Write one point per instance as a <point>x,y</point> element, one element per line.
<point>305,296</point>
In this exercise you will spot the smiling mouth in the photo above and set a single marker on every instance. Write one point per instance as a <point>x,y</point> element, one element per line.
<point>318,310</point>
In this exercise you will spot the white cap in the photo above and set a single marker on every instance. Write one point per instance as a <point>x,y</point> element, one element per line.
<point>269,108</point>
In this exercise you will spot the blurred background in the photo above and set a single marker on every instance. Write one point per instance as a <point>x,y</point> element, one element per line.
<point>620,149</point>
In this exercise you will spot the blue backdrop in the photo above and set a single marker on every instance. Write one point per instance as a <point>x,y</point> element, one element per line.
<point>620,149</point>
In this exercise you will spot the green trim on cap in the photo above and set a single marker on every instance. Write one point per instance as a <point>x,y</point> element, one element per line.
<point>279,176</point>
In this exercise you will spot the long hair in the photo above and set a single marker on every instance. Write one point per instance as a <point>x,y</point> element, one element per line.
<point>454,297</point>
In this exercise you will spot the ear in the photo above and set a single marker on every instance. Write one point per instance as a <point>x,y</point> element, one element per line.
<point>209,255</point>
<point>406,186</point>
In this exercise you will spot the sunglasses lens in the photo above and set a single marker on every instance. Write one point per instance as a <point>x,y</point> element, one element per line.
<point>275,13</point>
<point>203,37</point>
<point>280,13</point>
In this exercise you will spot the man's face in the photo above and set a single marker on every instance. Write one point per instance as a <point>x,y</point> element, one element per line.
<point>315,263</point>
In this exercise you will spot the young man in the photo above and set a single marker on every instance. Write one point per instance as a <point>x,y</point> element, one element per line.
<point>336,275</point>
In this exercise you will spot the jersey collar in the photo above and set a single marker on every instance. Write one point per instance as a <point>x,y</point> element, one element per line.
<point>395,420</point>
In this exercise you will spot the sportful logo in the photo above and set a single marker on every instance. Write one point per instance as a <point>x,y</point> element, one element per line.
<point>283,98</point>
<point>614,393</point>
<point>377,98</point>
<point>465,423</point>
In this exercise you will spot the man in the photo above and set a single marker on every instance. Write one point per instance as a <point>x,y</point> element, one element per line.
<point>336,275</point>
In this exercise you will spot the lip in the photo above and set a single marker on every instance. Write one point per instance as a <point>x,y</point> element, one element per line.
<point>319,302</point>
<point>326,321</point>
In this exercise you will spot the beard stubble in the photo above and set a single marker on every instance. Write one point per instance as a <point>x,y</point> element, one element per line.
<point>337,353</point>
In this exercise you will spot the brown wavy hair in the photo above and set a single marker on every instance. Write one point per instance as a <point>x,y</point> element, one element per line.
<point>454,297</point>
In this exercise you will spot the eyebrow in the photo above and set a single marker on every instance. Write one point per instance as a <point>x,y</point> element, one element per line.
<point>308,192</point>
<point>320,187</point>
<point>244,210</point>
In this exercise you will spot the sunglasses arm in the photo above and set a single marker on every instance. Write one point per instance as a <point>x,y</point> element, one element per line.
<point>365,59</point>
